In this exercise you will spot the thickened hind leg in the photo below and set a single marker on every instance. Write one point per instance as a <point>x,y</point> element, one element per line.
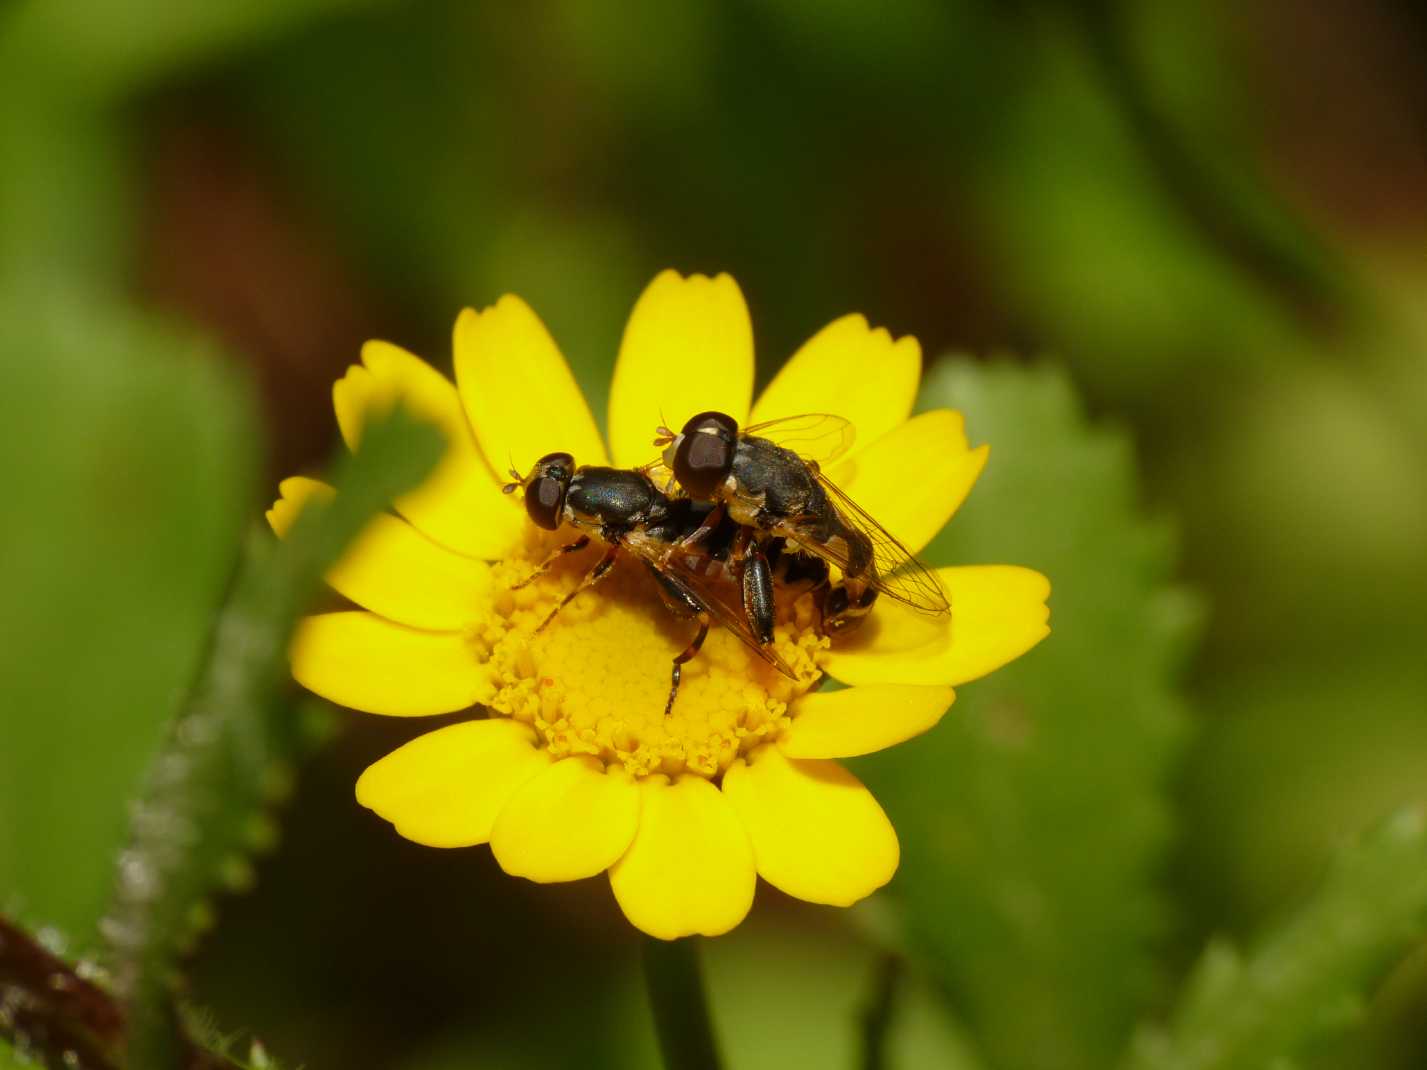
<point>687,655</point>
<point>755,585</point>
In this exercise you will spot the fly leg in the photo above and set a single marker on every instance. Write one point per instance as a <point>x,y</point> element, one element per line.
<point>755,584</point>
<point>592,577</point>
<point>687,654</point>
<point>705,529</point>
<point>682,602</point>
<point>544,566</point>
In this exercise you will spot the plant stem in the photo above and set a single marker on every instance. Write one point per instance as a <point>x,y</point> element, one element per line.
<point>877,1015</point>
<point>680,1006</point>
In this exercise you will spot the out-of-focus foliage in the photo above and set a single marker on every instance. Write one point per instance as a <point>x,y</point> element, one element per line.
<point>1305,979</point>
<point>1208,241</point>
<point>1053,762</point>
<point>128,457</point>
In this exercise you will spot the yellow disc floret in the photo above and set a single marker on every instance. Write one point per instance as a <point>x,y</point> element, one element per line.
<point>595,679</point>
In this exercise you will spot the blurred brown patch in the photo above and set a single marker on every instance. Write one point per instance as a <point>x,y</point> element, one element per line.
<point>1343,107</point>
<point>224,244</point>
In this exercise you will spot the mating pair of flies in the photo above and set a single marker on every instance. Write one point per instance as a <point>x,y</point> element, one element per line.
<point>723,520</point>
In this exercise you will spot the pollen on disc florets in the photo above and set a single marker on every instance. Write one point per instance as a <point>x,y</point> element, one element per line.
<point>595,680</point>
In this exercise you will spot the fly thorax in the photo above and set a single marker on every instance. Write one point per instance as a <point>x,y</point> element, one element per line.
<point>599,495</point>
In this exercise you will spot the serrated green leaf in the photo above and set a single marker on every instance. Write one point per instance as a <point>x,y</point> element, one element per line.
<point>1033,819</point>
<point>1308,976</point>
<point>190,825</point>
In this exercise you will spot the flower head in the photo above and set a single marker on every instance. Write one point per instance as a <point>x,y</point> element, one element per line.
<point>577,770</point>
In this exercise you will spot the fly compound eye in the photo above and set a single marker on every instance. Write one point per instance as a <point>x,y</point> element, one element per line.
<point>545,489</point>
<point>544,499</point>
<point>704,454</point>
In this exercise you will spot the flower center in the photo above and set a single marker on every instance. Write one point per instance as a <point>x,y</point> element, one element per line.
<point>595,680</point>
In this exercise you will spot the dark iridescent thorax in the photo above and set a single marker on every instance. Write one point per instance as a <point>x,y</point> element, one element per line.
<point>616,496</point>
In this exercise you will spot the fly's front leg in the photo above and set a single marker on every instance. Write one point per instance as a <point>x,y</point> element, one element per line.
<point>705,529</point>
<point>599,572</point>
<point>755,583</point>
<point>544,566</point>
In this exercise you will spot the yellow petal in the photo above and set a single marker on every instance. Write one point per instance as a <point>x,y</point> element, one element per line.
<point>460,504</point>
<point>446,788</point>
<point>689,869</point>
<point>851,370</point>
<point>360,660</point>
<point>519,395</point>
<point>688,347</point>
<point>394,570</point>
<point>817,833</point>
<point>911,480</point>
<point>998,612</point>
<point>861,720</point>
<point>572,821</point>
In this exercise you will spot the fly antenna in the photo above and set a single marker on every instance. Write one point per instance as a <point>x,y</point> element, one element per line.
<point>509,488</point>
<point>662,435</point>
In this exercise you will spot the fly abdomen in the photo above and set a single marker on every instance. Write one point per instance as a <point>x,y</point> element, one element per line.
<point>846,605</point>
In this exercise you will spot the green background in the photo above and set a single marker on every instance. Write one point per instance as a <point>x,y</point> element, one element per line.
<point>1168,259</point>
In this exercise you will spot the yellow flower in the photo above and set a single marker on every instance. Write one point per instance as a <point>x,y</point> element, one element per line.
<point>577,770</point>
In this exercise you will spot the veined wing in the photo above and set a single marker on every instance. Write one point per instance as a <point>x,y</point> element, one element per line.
<point>899,574</point>
<point>720,595</point>
<point>819,437</point>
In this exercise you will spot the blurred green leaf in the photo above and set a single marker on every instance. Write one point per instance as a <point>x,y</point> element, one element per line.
<point>1348,744</point>
<point>193,819</point>
<point>1033,819</point>
<point>65,195</point>
<point>88,51</point>
<point>1093,248</point>
<point>128,451</point>
<point>1303,979</point>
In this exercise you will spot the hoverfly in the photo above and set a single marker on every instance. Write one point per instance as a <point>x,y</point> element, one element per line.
<point>769,480</point>
<point>687,546</point>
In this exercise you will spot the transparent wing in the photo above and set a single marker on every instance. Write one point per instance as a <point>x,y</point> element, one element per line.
<point>899,574</point>
<point>820,437</point>
<point>661,475</point>
<point>720,595</point>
